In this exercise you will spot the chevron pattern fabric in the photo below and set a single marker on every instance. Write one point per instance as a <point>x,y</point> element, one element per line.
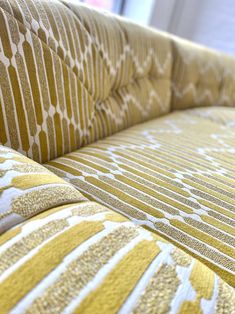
<point>75,76</point>
<point>201,77</point>
<point>27,188</point>
<point>92,127</point>
<point>78,75</point>
<point>64,266</point>
<point>168,175</point>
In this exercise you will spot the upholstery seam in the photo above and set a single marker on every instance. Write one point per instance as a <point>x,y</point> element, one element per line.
<point>44,43</point>
<point>80,22</point>
<point>69,67</point>
<point>52,50</point>
<point>135,80</point>
<point>124,85</point>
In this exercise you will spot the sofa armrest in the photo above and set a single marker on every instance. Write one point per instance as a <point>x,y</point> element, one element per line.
<point>27,188</point>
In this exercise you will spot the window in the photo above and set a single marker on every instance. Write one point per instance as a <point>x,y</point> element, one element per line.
<point>115,6</point>
<point>137,10</point>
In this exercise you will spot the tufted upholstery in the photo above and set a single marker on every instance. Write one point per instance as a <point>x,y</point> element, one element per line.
<point>95,100</point>
<point>79,75</point>
<point>83,77</point>
<point>201,77</point>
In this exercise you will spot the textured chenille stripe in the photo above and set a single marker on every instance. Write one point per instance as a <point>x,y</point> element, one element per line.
<point>174,175</point>
<point>27,188</point>
<point>71,75</point>
<point>85,258</point>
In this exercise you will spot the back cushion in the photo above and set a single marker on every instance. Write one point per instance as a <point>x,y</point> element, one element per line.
<point>201,76</point>
<point>71,75</point>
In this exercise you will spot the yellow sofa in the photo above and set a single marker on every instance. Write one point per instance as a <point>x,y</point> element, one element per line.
<point>117,181</point>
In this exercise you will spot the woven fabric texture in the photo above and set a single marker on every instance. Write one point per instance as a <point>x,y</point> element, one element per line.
<point>85,258</point>
<point>27,188</point>
<point>78,75</point>
<point>97,101</point>
<point>201,77</point>
<point>174,175</point>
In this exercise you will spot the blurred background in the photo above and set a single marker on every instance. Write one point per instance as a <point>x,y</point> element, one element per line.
<point>209,22</point>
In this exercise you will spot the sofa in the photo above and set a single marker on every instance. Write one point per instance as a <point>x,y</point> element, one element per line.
<point>117,172</point>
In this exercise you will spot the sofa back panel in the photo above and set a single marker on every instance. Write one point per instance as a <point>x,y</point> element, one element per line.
<point>71,75</point>
<point>201,77</point>
<point>129,51</point>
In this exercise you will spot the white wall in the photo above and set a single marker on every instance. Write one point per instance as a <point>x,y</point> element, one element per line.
<point>215,25</point>
<point>209,22</point>
<point>139,11</point>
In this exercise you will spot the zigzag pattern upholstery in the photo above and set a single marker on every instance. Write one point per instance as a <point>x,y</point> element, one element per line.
<point>78,89</point>
<point>201,77</point>
<point>168,175</point>
<point>76,76</point>
<point>79,75</point>
<point>85,258</point>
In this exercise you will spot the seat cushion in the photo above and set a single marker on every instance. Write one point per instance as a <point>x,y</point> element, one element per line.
<point>174,175</point>
<point>85,258</point>
<point>222,115</point>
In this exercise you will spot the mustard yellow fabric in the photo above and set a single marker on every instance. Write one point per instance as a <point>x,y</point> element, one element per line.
<point>69,76</point>
<point>84,258</point>
<point>222,115</point>
<point>78,75</point>
<point>174,175</point>
<point>201,76</point>
<point>27,188</point>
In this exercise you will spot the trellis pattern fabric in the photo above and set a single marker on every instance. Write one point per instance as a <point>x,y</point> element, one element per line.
<point>201,77</point>
<point>78,75</point>
<point>27,188</point>
<point>85,258</point>
<point>168,175</point>
<point>93,98</point>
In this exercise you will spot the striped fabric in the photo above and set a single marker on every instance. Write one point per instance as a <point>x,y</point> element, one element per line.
<point>71,75</point>
<point>174,175</point>
<point>72,79</point>
<point>27,188</point>
<point>223,116</point>
<point>201,77</point>
<point>85,258</point>
<point>75,82</point>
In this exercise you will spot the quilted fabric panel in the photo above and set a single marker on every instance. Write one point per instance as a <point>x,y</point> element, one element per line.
<point>85,258</point>
<point>27,188</point>
<point>71,75</point>
<point>201,76</point>
<point>174,175</point>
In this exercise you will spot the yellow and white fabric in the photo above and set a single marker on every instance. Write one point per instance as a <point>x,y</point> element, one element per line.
<point>86,258</point>
<point>201,77</point>
<point>27,188</point>
<point>174,175</point>
<point>76,76</point>
<point>93,97</point>
<point>71,75</point>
